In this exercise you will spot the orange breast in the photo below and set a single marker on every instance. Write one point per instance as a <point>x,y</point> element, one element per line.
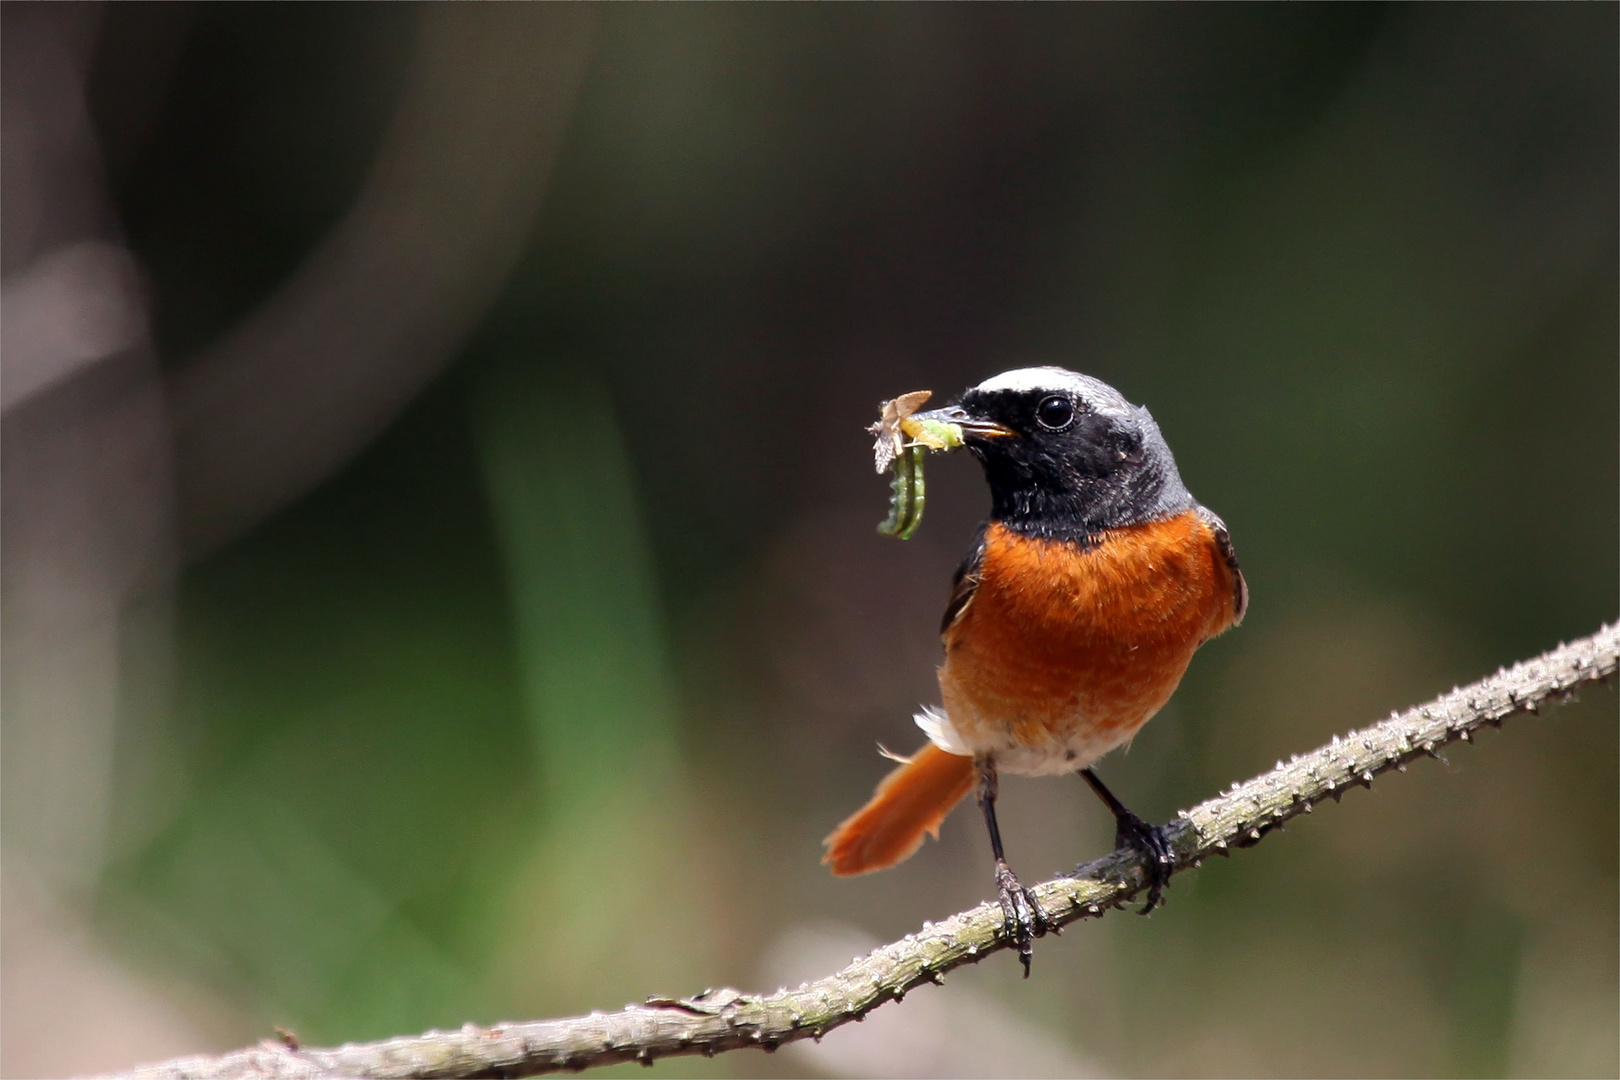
<point>1063,652</point>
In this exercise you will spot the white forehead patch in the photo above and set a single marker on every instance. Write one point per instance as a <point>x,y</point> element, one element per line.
<point>1098,394</point>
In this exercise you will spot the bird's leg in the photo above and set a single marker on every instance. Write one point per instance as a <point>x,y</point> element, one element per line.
<point>1021,914</point>
<point>1153,841</point>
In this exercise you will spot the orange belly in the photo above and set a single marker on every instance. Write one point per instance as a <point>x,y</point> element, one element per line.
<point>1063,652</point>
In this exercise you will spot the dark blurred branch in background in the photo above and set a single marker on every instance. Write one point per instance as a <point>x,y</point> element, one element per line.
<point>329,361</point>
<point>726,1019</point>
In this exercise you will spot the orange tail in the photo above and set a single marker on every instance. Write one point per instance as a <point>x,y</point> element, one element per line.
<point>911,800</point>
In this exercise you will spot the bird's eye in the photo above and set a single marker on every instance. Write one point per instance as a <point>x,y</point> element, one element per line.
<point>1055,412</point>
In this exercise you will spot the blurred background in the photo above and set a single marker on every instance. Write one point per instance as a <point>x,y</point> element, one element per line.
<point>440,576</point>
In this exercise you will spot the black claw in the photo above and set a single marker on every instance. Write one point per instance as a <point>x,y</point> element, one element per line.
<point>1022,919</point>
<point>1153,842</point>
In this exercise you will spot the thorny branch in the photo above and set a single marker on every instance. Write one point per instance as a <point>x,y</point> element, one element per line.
<point>727,1019</point>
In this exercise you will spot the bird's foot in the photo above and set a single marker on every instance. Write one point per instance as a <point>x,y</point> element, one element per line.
<point>1153,843</point>
<point>1022,919</point>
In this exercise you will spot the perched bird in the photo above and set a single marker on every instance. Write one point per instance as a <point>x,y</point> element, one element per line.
<point>1070,622</point>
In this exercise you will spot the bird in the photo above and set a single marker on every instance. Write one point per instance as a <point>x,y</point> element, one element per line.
<point>1069,624</point>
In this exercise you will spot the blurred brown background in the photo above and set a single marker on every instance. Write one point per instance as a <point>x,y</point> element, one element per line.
<point>440,577</point>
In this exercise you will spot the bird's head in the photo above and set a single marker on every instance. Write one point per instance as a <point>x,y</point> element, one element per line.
<point>1065,454</point>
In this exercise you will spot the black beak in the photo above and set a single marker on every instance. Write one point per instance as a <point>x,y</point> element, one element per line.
<point>973,427</point>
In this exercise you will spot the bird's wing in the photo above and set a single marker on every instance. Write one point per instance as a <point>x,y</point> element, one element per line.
<point>965,583</point>
<point>1223,541</point>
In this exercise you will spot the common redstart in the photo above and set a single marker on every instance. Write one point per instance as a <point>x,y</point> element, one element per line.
<point>1070,622</point>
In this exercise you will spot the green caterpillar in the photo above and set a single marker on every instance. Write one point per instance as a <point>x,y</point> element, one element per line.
<point>908,492</point>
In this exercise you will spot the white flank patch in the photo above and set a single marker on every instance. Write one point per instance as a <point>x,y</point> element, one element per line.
<point>941,732</point>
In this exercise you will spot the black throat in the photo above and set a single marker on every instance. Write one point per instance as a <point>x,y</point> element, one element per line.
<point>1080,508</point>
